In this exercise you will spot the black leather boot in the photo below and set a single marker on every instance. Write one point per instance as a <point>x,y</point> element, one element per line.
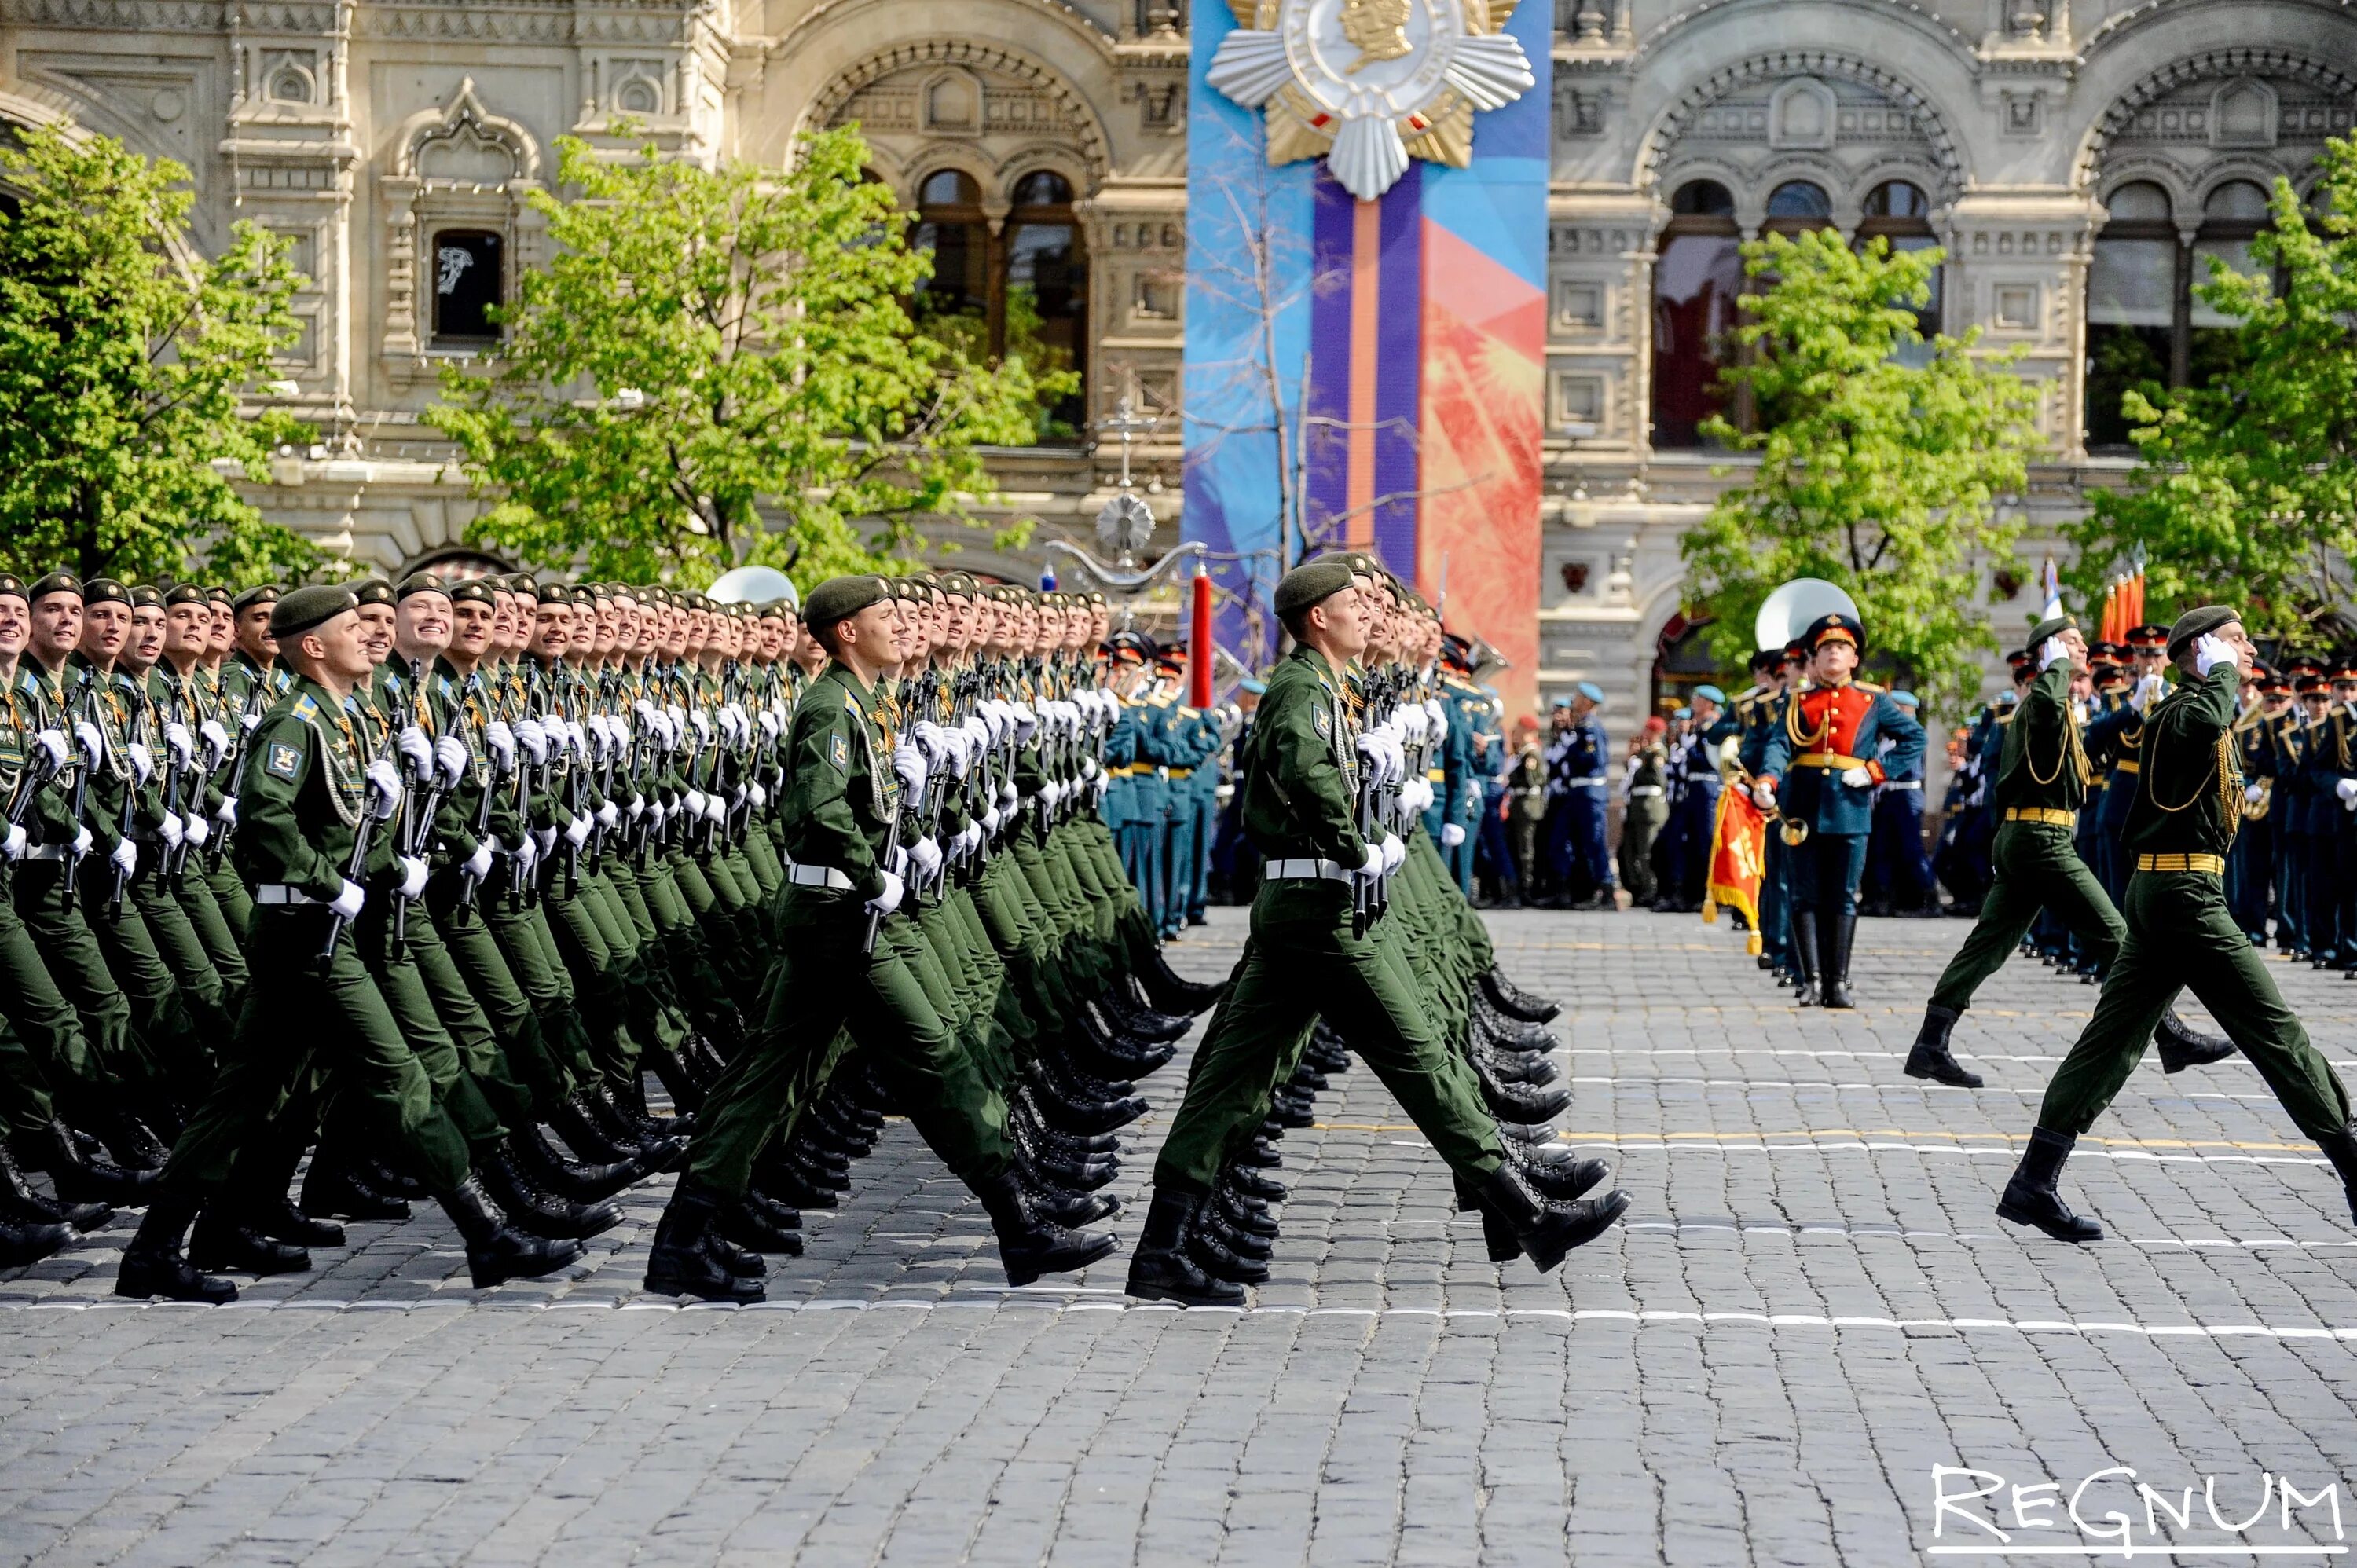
<point>783,1216</point>
<point>1246,1179</point>
<point>2182,1046</point>
<point>81,1178</point>
<point>1029,1244</point>
<point>23,1242</point>
<point>1516,1003</point>
<point>530,1208</point>
<point>2031,1198</point>
<point>152,1263</point>
<point>496,1251</point>
<point>1548,1231</point>
<point>658,1149</point>
<point>2341,1149</point>
<point>1804,957</point>
<point>1834,932</point>
<point>571,1178</point>
<point>282,1221</point>
<point>132,1142</point>
<point>1510,1104</point>
<point>588,1140</point>
<point>1071,1209</point>
<point>749,1229</point>
<point>1554,1171</point>
<point>679,1080</point>
<point>1221,1253</point>
<point>1161,1268</point>
<point>679,1263</point>
<point>333,1190</point>
<point>19,1203</point>
<point>1930,1056</point>
<point>224,1243</point>
<point>1171,993</point>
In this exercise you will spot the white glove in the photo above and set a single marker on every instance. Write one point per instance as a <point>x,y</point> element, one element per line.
<point>1373,865</point>
<point>348,900</point>
<point>656,813</point>
<point>1006,798</point>
<point>928,856</point>
<point>216,741</point>
<point>199,829</point>
<point>884,903</point>
<point>636,807</point>
<point>2147,688</point>
<point>1027,723</point>
<point>703,723</point>
<point>249,722</point>
<point>451,753</point>
<point>479,865</point>
<point>909,764</point>
<point>125,856</point>
<point>1451,835</point>
<point>533,739</point>
<point>694,798</point>
<point>53,741</point>
<point>169,829</point>
<point>972,837</point>
<point>143,762</point>
<point>1394,851</point>
<point>83,842</point>
<point>771,723</point>
<point>757,795</point>
<point>93,744</point>
<point>412,876</point>
<point>714,807</point>
<point>2252,792</point>
<point>527,855</point>
<point>387,784</point>
<point>544,840</point>
<point>1371,747</point>
<point>2049,650</point>
<point>579,737</point>
<point>182,743</point>
<point>977,732</point>
<point>417,747</point>
<point>991,819</point>
<point>1858,778</point>
<point>576,832</point>
<point>501,740</point>
<point>13,846</point>
<point>1763,794</point>
<point>2347,790</point>
<point>226,813</point>
<point>1051,792</point>
<point>609,814</point>
<point>2209,652</point>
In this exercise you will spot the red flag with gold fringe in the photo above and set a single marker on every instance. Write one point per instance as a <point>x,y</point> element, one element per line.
<point>1739,853</point>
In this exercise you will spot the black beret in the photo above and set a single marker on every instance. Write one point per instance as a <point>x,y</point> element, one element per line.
<point>555,594</point>
<point>2197,623</point>
<point>298,611</point>
<point>55,583</point>
<point>1313,583</point>
<point>147,595</point>
<point>523,585</point>
<point>370,590</point>
<point>421,583</point>
<point>2052,625</point>
<point>470,591</point>
<point>220,595</point>
<point>103,590</point>
<point>777,609</point>
<point>840,598</point>
<point>260,594</point>
<point>14,587</point>
<point>186,594</point>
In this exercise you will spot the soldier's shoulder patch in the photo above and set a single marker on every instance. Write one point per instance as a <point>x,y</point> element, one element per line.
<point>1323,724</point>
<point>284,760</point>
<point>838,751</point>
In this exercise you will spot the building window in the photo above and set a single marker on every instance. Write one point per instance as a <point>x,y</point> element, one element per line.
<point>1023,293</point>
<point>1698,278</point>
<point>2146,328</point>
<point>1900,214</point>
<point>1797,205</point>
<point>467,287</point>
<point>949,224</point>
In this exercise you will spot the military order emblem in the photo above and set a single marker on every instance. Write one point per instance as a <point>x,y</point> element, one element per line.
<point>1371,82</point>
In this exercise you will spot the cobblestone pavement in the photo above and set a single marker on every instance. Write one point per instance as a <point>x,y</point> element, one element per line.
<point>1810,1307</point>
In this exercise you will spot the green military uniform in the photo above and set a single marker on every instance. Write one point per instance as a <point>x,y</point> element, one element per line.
<point>1300,787</point>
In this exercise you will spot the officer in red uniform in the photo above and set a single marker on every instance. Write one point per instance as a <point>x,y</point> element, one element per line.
<point>1819,775</point>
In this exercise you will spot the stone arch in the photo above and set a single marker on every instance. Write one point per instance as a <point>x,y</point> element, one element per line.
<point>1671,122</point>
<point>1917,17</point>
<point>1054,156</point>
<point>462,121</point>
<point>2149,169</point>
<point>935,156</point>
<point>30,103</point>
<point>1089,132</point>
<point>2207,65</point>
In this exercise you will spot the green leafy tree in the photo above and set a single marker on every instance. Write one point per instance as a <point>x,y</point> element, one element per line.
<point>2246,487</point>
<point>122,357</point>
<point>718,368</point>
<point>1881,459</point>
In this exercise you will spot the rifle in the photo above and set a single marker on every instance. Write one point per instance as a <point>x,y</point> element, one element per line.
<point>891,839</point>
<point>482,808</point>
<point>250,709</point>
<point>74,807</point>
<point>130,811</point>
<point>356,867</point>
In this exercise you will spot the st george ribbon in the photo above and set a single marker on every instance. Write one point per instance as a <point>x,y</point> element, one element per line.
<point>1367,187</point>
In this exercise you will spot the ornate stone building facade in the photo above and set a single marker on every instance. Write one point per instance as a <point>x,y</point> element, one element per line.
<point>2078,159</point>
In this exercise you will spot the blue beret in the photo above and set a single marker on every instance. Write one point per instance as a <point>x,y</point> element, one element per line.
<point>1682,714</point>
<point>1562,702</point>
<point>1257,688</point>
<point>1904,699</point>
<point>1591,690</point>
<point>1712,693</point>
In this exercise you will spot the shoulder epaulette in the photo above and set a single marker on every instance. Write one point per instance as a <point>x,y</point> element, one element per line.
<point>1869,687</point>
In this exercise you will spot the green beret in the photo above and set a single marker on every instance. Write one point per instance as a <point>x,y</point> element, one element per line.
<point>2052,625</point>
<point>186,594</point>
<point>105,590</point>
<point>470,591</point>
<point>298,611</point>
<point>421,583</point>
<point>13,587</point>
<point>1313,584</point>
<point>260,594</point>
<point>840,598</point>
<point>370,590</point>
<point>2199,623</point>
<point>147,595</point>
<point>55,583</point>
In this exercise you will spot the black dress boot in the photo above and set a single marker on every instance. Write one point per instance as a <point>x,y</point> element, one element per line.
<point>1834,932</point>
<point>1171,993</point>
<point>1517,1003</point>
<point>1069,1210</point>
<point>20,1204</point>
<point>152,1263</point>
<point>1161,1268</point>
<point>1930,1056</point>
<point>225,1244</point>
<point>23,1242</point>
<point>1804,958</point>
<point>1030,1245</point>
<point>333,1190</point>
<point>1247,1180</point>
<point>534,1208</point>
<point>84,1178</point>
<point>749,1229</point>
<point>1512,1103</point>
<point>2182,1046</point>
<point>1547,1231</point>
<point>681,1265</point>
<point>496,1251</point>
<point>588,1141</point>
<point>571,1178</point>
<point>1221,1253</point>
<point>678,1079</point>
<point>282,1221</point>
<point>2031,1198</point>
<point>2341,1149</point>
<point>1555,1173</point>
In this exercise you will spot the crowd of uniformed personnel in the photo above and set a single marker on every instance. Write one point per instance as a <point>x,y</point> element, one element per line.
<point>422,879</point>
